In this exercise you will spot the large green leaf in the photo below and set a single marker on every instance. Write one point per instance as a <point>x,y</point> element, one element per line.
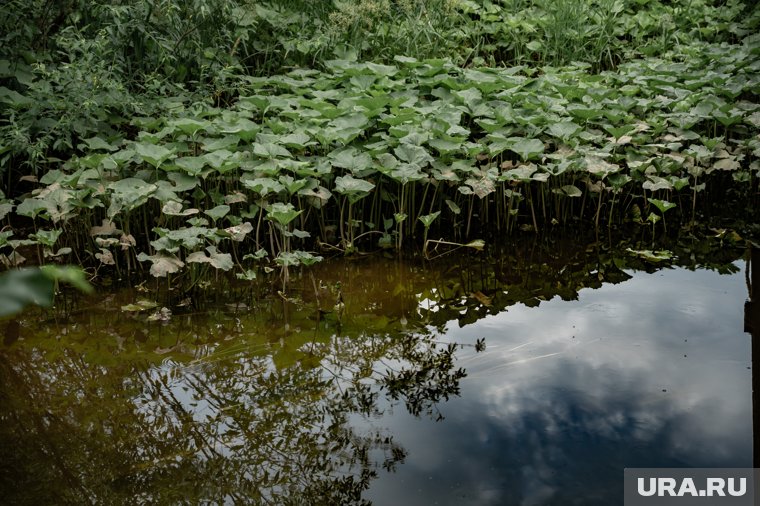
<point>193,165</point>
<point>174,208</point>
<point>190,238</point>
<point>152,153</point>
<point>217,212</point>
<point>654,183</point>
<point>217,260</point>
<point>296,140</point>
<point>74,276</point>
<point>162,265</point>
<point>127,194</point>
<point>190,126</point>
<point>413,154</point>
<point>228,141</point>
<point>481,186</point>
<point>350,122</point>
<point>350,159</point>
<point>352,187</point>
<point>599,167</point>
<point>243,128</point>
<point>46,237</point>
<point>564,129</point>
<point>292,185</point>
<point>662,205</point>
<point>289,259</point>
<point>263,185</point>
<point>428,219</point>
<point>522,173</point>
<point>406,172</point>
<point>5,208</point>
<point>32,207</point>
<point>22,287</point>
<point>282,213</point>
<point>222,160</point>
<point>528,148</point>
<point>237,232</point>
<point>470,97</point>
<point>317,195</point>
<point>270,150</point>
<point>569,190</point>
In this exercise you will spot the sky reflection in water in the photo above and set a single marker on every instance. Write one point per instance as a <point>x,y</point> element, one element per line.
<point>652,372</point>
<point>226,406</point>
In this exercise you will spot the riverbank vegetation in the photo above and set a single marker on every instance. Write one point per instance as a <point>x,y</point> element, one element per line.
<point>189,138</point>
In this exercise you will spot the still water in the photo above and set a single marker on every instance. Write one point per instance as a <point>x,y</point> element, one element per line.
<point>529,374</point>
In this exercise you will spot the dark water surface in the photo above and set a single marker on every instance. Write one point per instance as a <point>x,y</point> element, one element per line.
<point>595,360</point>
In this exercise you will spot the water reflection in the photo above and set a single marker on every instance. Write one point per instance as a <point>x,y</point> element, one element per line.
<point>225,428</point>
<point>281,403</point>
<point>653,372</point>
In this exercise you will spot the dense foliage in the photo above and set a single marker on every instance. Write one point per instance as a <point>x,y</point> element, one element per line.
<point>226,134</point>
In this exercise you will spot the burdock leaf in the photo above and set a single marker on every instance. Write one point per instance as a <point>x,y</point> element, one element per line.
<point>107,228</point>
<point>655,183</point>
<point>162,264</point>
<point>270,150</point>
<point>105,257</point>
<point>190,126</point>
<point>528,148</point>
<point>238,232</point>
<point>217,212</point>
<point>153,154</point>
<point>46,237</point>
<point>217,260</point>
<point>19,288</point>
<point>282,213</point>
<point>5,208</point>
<point>350,159</point>
<point>428,219</point>
<point>662,205</point>
<point>193,165</point>
<point>413,154</point>
<point>74,276</point>
<point>31,207</point>
<point>452,205</point>
<point>571,190</point>
<point>564,129</point>
<point>174,208</point>
<point>599,167</point>
<point>263,185</point>
<point>350,186</point>
<point>128,194</point>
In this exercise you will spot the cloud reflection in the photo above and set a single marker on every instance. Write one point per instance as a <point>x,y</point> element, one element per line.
<point>648,373</point>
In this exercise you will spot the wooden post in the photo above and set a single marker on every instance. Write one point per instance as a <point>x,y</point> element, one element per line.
<point>752,325</point>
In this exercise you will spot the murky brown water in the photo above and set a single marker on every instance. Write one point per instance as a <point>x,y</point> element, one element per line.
<point>595,360</point>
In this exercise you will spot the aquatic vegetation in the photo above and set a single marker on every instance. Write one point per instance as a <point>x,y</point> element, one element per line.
<point>315,159</point>
<point>355,156</point>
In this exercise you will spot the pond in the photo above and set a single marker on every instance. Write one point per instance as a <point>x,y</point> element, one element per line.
<point>531,373</point>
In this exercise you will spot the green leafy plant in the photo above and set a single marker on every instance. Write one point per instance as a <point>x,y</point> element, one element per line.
<point>36,286</point>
